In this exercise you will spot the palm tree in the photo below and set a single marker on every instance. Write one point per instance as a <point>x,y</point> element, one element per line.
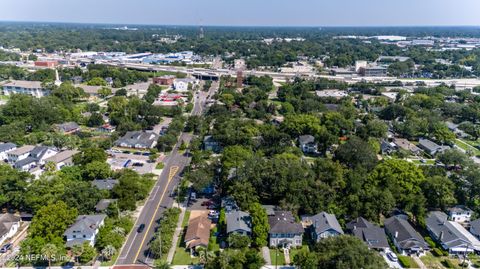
<point>108,252</point>
<point>204,255</point>
<point>49,250</point>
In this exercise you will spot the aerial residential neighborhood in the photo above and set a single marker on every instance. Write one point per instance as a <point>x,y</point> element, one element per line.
<point>195,134</point>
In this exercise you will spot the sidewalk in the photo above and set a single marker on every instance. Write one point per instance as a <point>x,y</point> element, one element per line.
<point>176,234</point>
<point>266,255</point>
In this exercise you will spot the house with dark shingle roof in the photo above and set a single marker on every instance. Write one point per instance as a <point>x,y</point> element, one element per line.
<point>475,228</point>
<point>284,230</point>
<point>404,236</point>
<point>239,222</point>
<point>322,225</point>
<point>85,229</point>
<point>451,235</point>
<point>371,234</point>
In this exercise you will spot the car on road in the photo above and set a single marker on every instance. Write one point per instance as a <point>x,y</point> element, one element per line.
<point>5,248</point>
<point>141,228</point>
<point>392,256</point>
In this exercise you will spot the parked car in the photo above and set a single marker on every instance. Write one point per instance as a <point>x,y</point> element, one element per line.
<point>193,196</point>
<point>5,248</point>
<point>392,256</point>
<point>141,228</point>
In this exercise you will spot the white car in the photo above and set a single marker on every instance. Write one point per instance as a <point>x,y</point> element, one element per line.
<point>392,256</point>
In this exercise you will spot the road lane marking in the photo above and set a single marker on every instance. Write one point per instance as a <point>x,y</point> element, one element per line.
<point>172,172</point>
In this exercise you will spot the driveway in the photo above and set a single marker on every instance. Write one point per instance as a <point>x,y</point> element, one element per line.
<point>391,264</point>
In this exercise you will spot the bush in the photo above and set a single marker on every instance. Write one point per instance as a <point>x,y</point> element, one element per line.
<point>448,264</point>
<point>407,262</point>
<point>159,166</point>
<point>437,252</point>
<point>430,242</point>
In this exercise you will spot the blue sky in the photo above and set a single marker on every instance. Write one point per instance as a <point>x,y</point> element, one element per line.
<point>247,12</point>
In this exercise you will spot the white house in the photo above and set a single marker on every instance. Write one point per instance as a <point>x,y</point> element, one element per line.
<point>460,214</point>
<point>181,84</point>
<point>5,148</point>
<point>85,229</point>
<point>9,224</point>
<point>33,88</point>
<point>19,153</point>
<point>61,159</point>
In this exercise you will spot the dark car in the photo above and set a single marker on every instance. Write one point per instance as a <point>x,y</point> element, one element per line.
<point>5,248</point>
<point>141,228</point>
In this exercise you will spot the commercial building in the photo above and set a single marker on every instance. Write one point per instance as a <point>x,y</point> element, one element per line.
<point>164,80</point>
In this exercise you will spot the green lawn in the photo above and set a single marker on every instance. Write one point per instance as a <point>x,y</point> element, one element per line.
<point>466,146</point>
<point>280,259</point>
<point>433,262</point>
<point>407,262</point>
<point>214,242</point>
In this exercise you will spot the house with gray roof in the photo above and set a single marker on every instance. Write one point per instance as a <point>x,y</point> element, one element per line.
<point>61,159</point>
<point>404,236</point>
<point>36,157</point>
<point>307,144</point>
<point>460,214</point>
<point>451,235</point>
<point>19,153</point>
<point>322,225</point>
<point>371,234</point>
<point>85,229</point>
<point>67,127</point>
<point>138,140</point>
<point>103,204</point>
<point>239,222</point>
<point>431,147</point>
<point>475,228</point>
<point>9,224</point>
<point>104,184</point>
<point>6,148</point>
<point>284,230</point>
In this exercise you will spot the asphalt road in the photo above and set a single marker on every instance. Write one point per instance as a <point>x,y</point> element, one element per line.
<point>135,249</point>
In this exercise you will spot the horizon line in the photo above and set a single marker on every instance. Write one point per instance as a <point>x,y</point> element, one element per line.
<point>246,26</point>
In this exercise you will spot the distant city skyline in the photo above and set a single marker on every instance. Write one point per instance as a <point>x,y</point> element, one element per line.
<point>247,12</point>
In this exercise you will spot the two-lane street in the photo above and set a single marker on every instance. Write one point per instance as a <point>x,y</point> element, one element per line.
<point>135,249</point>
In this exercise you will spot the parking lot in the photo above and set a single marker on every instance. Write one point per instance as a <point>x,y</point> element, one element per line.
<point>137,162</point>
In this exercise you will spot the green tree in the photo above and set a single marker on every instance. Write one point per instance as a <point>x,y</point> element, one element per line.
<point>51,221</point>
<point>342,252</point>
<point>356,153</point>
<point>97,81</point>
<point>97,170</point>
<point>104,92</point>
<point>238,241</point>
<point>88,254</point>
<point>260,225</point>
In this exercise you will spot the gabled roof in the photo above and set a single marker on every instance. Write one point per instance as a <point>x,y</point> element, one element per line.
<point>283,222</point>
<point>24,84</point>
<point>23,162</point>
<point>62,156</point>
<point>39,151</point>
<point>475,227</point>
<point>104,184</point>
<point>238,220</point>
<point>323,222</point>
<point>198,232</point>
<point>142,138</point>
<point>305,139</point>
<point>358,223</point>
<point>86,224</point>
<point>459,209</point>
<point>7,146</point>
<point>371,234</point>
<point>449,233</point>
<point>406,237</point>
<point>68,126</point>
<point>6,222</point>
<point>22,150</point>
